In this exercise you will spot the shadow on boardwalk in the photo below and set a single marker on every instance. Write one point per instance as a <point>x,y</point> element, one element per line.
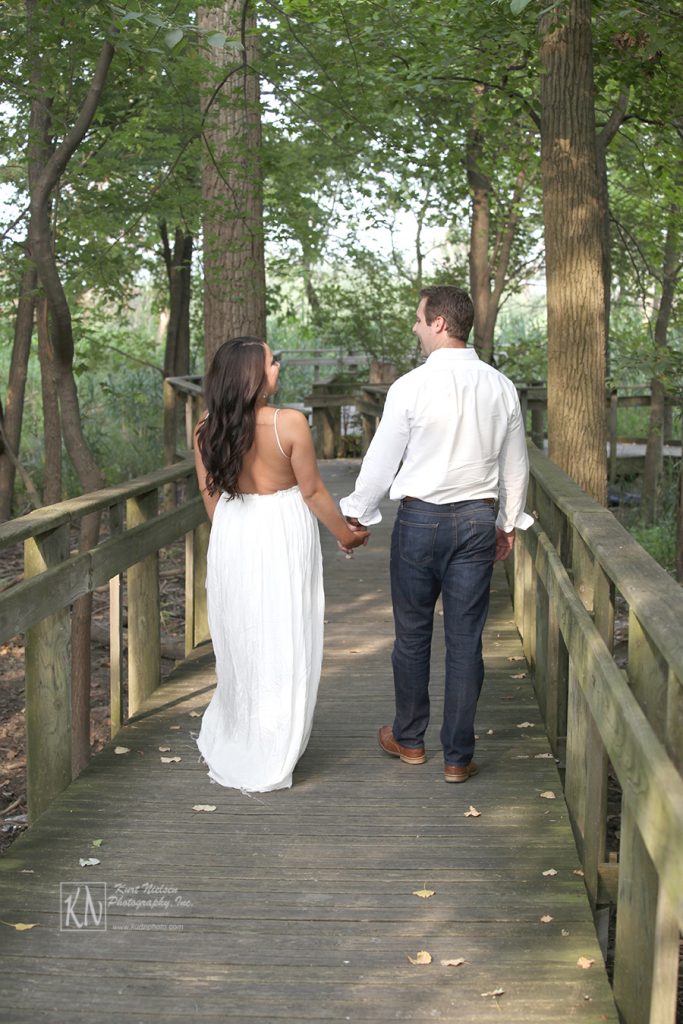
<point>298,905</point>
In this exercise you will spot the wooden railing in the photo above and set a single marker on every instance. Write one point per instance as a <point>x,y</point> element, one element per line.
<point>568,569</point>
<point>39,606</point>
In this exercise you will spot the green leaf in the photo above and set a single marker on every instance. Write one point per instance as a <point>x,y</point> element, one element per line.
<point>217,39</point>
<point>173,37</point>
<point>517,6</point>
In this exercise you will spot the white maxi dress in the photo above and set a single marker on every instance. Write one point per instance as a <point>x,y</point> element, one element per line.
<point>266,607</point>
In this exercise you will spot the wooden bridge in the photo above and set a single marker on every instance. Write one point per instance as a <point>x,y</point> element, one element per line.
<point>306,905</point>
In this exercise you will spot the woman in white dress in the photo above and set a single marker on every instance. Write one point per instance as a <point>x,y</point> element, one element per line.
<point>261,486</point>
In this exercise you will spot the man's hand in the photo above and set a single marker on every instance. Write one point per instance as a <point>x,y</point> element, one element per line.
<point>504,542</point>
<point>356,525</point>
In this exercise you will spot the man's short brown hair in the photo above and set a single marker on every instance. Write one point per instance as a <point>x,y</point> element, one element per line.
<point>453,304</point>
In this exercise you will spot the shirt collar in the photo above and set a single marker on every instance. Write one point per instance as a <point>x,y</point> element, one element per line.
<point>449,354</point>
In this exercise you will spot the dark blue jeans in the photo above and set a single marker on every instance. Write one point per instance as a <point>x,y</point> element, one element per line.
<point>447,550</point>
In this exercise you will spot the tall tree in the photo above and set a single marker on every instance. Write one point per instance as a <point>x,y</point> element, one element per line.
<point>574,248</point>
<point>232,189</point>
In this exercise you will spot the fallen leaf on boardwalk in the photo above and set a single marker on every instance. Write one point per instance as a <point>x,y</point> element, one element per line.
<point>122,750</point>
<point>424,894</point>
<point>203,807</point>
<point>546,919</point>
<point>19,927</point>
<point>164,750</point>
<point>525,725</point>
<point>565,933</point>
<point>518,675</point>
<point>539,756</point>
<point>422,957</point>
<point>452,963</point>
<point>496,992</point>
<point>97,842</point>
<point>578,871</point>
<point>472,813</point>
<point>170,760</point>
<point>175,728</point>
<point>195,714</point>
<point>88,862</point>
<point>550,872</point>
<point>489,732</point>
<point>585,962</point>
<point>548,795</point>
<point>516,657</point>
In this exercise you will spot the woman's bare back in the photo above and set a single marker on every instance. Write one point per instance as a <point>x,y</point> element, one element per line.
<point>266,467</point>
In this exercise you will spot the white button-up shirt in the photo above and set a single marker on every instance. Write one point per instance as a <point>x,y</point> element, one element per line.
<point>456,424</point>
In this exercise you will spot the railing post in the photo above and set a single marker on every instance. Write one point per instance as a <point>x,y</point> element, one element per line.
<point>48,683</point>
<point>196,549</point>
<point>144,631</point>
<point>196,614</point>
<point>116,517</point>
<point>647,942</point>
<point>612,432</point>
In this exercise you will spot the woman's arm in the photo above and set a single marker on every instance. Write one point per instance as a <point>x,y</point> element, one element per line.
<point>210,501</point>
<point>295,431</point>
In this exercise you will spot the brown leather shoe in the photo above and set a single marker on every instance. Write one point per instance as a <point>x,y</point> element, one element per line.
<point>459,772</point>
<point>410,755</point>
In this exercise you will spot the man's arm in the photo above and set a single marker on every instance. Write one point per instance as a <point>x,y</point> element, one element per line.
<point>380,463</point>
<point>513,477</point>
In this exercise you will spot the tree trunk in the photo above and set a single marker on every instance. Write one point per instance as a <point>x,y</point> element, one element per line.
<point>52,430</point>
<point>488,266</point>
<point>234,273</point>
<point>179,272</point>
<point>46,166</point>
<point>679,518</point>
<point>654,458</point>
<point>573,245</point>
<point>480,226</point>
<point>16,388</point>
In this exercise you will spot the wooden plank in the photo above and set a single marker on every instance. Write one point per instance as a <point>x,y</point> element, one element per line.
<point>42,520</point>
<point>641,763</point>
<point>33,599</point>
<point>301,902</point>
<point>48,684</point>
<point>144,637</point>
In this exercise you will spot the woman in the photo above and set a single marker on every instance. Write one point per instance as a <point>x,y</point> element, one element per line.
<point>260,483</point>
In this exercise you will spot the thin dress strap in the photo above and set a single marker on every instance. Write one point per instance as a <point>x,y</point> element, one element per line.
<point>277,436</point>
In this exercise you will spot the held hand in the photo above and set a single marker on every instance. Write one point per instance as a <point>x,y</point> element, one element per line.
<point>359,536</point>
<point>356,525</point>
<point>504,542</point>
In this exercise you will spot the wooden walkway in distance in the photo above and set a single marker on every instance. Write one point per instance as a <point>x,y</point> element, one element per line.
<point>298,905</point>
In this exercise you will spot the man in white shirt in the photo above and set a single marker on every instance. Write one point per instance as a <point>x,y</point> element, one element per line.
<point>455,426</point>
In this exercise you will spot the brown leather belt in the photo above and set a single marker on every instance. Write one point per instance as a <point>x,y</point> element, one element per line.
<point>487,501</point>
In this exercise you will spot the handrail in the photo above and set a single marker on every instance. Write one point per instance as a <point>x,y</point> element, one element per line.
<point>39,606</point>
<point>568,569</point>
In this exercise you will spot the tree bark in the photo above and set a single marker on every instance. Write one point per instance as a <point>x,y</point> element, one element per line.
<point>52,430</point>
<point>654,458</point>
<point>488,269</point>
<point>46,166</point>
<point>16,388</point>
<point>234,272</point>
<point>574,254</point>
<point>179,272</point>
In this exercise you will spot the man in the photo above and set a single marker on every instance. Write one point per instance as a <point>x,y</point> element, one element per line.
<point>455,424</point>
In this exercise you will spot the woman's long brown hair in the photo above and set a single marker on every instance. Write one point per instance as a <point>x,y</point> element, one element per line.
<point>231,387</point>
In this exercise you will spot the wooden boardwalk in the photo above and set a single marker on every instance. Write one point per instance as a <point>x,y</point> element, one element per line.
<point>298,905</point>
